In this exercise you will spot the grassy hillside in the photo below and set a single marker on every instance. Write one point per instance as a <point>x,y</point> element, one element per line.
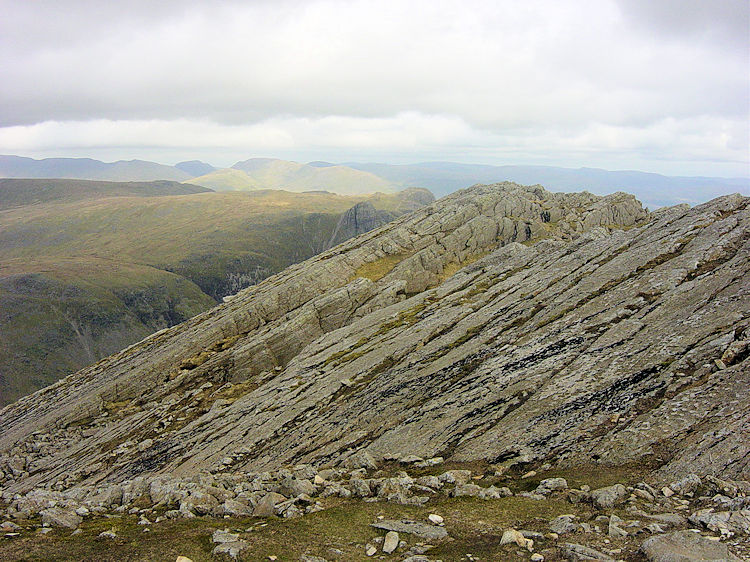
<point>19,192</point>
<point>267,173</point>
<point>84,273</point>
<point>88,168</point>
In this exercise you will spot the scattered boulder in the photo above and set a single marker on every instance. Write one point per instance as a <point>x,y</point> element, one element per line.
<point>391,542</point>
<point>230,549</point>
<point>423,530</point>
<point>267,504</point>
<point>60,517</point>
<point>687,485</point>
<point>724,522</point>
<point>361,459</point>
<point>685,546</point>
<point>564,524</point>
<point>110,535</point>
<point>549,485</point>
<point>576,552</point>
<point>511,536</point>
<point>609,496</point>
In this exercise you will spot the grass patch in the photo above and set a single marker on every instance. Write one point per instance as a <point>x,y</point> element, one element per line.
<point>376,270</point>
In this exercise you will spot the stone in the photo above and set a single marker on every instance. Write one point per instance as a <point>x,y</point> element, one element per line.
<point>110,535</point>
<point>291,487</point>
<point>667,492</point>
<point>549,485</point>
<point>564,524</point>
<point>60,517</point>
<point>422,530</point>
<point>410,459</point>
<point>687,485</point>
<point>511,536</point>
<point>267,504</point>
<point>685,546</point>
<point>361,459</point>
<point>471,490</point>
<point>536,557</point>
<point>576,552</point>
<point>311,558</point>
<point>435,518</point>
<point>391,542</point>
<point>724,522</point>
<point>230,549</point>
<point>183,559</point>
<point>223,535</point>
<point>455,477</point>
<point>609,496</point>
<point>529,474</point>
<point>614,529</point>
<point>370,550</point>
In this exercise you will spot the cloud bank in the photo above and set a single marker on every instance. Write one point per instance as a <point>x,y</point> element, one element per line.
<point>657,85</point>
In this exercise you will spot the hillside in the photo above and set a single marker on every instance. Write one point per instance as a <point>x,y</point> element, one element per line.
<point>87,268</point>
<point>88,169</point>
<point>502,328</point>
<point>269,173</point>
<point>20,192</point>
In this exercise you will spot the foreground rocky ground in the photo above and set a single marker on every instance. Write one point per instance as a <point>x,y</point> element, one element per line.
<point>407,509</point>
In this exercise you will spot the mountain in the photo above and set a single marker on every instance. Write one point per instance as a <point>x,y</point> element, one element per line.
<point>195,167</point>
<point>269,173</point>
<point>654,190</point>
<point>505,358</point>
<point>20,192</point>
<point>88,169</point>
<point>88,268</point>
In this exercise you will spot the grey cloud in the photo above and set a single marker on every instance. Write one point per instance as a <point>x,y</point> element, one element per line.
<point>533,69</point>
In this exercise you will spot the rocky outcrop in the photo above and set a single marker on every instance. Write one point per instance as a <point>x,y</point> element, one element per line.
<point>361,218</point>
<point>499,323</point>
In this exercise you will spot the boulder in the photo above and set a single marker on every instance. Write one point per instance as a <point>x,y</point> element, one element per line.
<point>230,549</point>
<point>361,459</point>
<point>60,517</point>
<point>549,485</point>
<point>266,506</point>
<point>423,530</point>
<point>576,552</point>
<point>687,485</point>
<point>610,496</point>
<point>564,524</point>
<point>686,546</point>
<point>391,542</point>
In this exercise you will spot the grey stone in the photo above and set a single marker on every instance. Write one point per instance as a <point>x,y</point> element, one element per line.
<point>230,549</point>
<point>685,546</point>
<point>576,552</point>
<point>423,530</point>
<point>564,524</point>
<point>549,485</point>
<point>608,497</point>
<point>391,542</point>
<point>60,517</point>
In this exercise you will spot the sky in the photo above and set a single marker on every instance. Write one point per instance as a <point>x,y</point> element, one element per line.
<point>654,85</point>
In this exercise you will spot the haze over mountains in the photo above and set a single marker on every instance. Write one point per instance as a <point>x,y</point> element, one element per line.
<point>654,190</point>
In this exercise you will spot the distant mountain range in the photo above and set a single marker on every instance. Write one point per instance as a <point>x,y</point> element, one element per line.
<point>352,178</point>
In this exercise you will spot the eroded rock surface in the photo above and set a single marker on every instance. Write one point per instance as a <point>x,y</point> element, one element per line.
<point>500,322</point>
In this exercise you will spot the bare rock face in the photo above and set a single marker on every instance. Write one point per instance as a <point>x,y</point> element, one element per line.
<point>502,322</point>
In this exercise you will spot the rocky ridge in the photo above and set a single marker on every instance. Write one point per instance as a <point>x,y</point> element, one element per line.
<point>502,323</point>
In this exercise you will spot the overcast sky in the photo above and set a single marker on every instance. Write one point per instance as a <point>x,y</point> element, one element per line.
<point>656,85</point>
